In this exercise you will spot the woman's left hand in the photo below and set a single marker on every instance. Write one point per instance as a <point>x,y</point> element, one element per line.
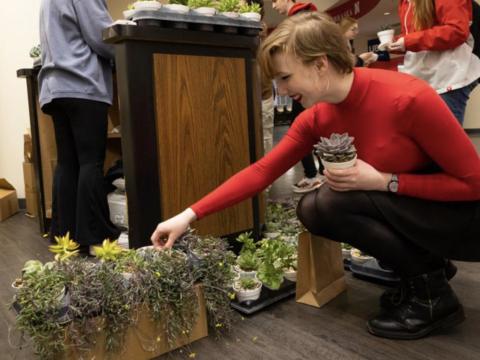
<point>361,176</point>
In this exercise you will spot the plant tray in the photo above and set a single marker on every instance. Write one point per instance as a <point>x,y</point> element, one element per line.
<point>371,270</point>
<point>191,21</point>
<point>267,297</point>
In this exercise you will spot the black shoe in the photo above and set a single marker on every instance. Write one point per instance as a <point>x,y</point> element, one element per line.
<point>394,297</point>
<point>429,305</point>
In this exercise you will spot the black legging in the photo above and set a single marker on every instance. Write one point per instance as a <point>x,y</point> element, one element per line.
<point>353,218</point>
<point>79,200</point>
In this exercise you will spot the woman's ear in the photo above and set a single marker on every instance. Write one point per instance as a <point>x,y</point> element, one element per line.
<point>321,63</point>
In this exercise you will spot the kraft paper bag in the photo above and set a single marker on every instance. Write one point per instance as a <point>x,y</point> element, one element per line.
<point>320,273</point>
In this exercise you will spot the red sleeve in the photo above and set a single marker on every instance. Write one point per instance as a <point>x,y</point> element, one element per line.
<point>439,134</point>
<point>296,143</point>
<point>451,30</point>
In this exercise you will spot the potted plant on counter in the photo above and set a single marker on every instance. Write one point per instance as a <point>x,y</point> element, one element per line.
<point>229,8</point>
<point>202,7</point>
<point>178,6</point>
<point>250,12</point>
<point>128,14</point>
<point>337,152</point>
<point>147,5</point>
<point>247,289</point>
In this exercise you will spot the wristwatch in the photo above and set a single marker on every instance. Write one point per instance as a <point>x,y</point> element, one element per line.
<point>393,184</point>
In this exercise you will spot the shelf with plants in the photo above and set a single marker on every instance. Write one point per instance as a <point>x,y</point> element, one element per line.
<point>225,14</point>
<point>125,304</point>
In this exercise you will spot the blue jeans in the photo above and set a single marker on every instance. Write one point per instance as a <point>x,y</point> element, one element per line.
<point>457,100</point>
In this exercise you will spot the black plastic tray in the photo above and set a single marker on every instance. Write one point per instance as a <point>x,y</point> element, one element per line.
<point>267,297</point>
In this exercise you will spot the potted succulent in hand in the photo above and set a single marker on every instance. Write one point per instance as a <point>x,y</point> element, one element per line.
<point>251,12</point>
<point>202,7</point>
<point>178,6</point>
<point>337,152</point>
<point>247,289</point>
<point>229,8</point>
<point>147,5</point>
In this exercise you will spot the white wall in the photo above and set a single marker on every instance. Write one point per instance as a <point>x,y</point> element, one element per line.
<point>20,33</point>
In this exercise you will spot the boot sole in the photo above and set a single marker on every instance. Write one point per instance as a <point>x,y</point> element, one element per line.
<point>451,320</point>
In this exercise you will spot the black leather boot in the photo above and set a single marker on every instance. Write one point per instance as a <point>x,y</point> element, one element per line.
<point>430,304</point>
<point>394,297</point>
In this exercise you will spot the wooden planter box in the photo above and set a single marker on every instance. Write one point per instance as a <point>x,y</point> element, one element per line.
<point>144,341</point>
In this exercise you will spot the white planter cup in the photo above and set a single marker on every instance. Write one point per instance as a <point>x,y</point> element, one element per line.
<point>178,8</point>
<point>128,14</point>
<point>230,14</point>
<point>253,16</point>
<point>385,37</point>
<point>147,5</point>
<point>290,274</point>
<point>247,295</point>
<point>245,274</point>
<point>343,165</point>
<point>205,11</point>
<point>357,258</point>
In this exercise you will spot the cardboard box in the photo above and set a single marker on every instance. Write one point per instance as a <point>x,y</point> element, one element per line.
<point>8,200</point>
<point>144,341</point>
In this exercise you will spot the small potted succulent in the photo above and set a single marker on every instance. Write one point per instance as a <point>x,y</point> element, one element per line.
<point>251,12</point>
<point>359,257</point>
<point>247,264</point>
<point>337,152</point>
<point>247,289</point>
<point>128,14</point>
<point>385,35</point>
<point>271,268</point>
<point>289,259</point>
<point>202,7</point>
<point>229,8</point>
<point>346,248</point>
<point>35,53</point>
<point>147,5</point>
<point>178,6</point>
<point>109,251</point>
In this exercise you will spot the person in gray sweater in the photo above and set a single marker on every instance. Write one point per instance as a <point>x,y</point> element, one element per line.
<point>75,86</point>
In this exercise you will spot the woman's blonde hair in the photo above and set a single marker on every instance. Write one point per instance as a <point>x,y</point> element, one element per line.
<point>306,36</point>
<point>424,14</point>
<point>346,23</point>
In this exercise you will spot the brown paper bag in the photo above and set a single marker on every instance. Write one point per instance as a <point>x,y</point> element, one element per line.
<point>320,274</point>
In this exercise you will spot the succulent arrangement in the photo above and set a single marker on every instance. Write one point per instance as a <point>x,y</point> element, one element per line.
<point>250,8</point>
<point>35,52</point>
<point>336,149</point>
<point>195,4</point>
<point>67,303</point>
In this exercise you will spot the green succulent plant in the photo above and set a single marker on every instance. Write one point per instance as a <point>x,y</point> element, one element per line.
<point>248,261</point>
<point>337,148</point>
<point>228,5</point>
<point>194,4</point>
<point>248,283</point>
<point>254,7</point>
<point>65,248</point>
<point>179,2</point>
<point>109,251</point>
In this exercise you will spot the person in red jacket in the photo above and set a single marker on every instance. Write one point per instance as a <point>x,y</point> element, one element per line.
<point>439,48</point>
<point>311,179</point>
<point>410,200</point>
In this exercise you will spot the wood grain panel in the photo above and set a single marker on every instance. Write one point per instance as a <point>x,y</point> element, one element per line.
<point>202,131</point>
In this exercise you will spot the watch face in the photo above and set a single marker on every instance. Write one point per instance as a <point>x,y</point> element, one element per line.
<point>393,186</point>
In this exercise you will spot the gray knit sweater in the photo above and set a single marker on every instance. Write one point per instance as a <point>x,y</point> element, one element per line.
<point>76,63</point>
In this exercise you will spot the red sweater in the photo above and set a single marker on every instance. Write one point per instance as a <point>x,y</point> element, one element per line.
<point>400,126</point>
<point>451,25</point>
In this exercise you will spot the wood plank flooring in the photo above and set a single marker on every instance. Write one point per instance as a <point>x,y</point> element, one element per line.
<point>284,331</point>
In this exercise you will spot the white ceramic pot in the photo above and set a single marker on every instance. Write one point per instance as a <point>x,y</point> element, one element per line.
<point>245,274</point>
<point>290,274</point>
<point>230,14</point>
<point>343,165</point>
<point>358,258</point>
<point>346,254</point>
<point>178,8</point>
<point>205,11</point>
<point>385,36</point>
<point>247,295</point>
<point>253,16</point>
<point>147,5</point>
<point>128,14</point>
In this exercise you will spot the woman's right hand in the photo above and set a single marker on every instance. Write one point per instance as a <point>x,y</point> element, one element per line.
<point>169,230</point>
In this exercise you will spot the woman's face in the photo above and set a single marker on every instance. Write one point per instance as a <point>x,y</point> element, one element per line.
<point>306,84</point>
<point>352,32</point>
<point>281,6</point>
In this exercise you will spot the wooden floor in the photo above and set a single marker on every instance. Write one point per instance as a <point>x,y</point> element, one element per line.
<point>285,331</point>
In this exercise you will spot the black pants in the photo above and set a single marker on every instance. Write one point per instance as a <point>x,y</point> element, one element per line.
<point>79,200</point>
<point>309,167</point>
<point>412,236</point>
